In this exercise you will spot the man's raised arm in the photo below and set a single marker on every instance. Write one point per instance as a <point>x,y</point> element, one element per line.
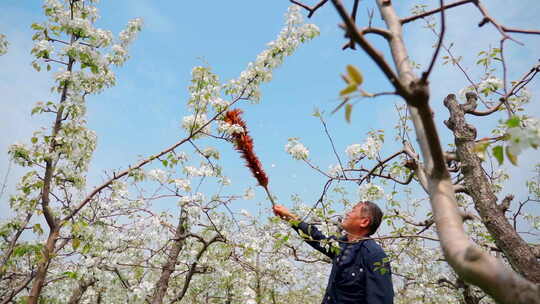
<point>314,236</point>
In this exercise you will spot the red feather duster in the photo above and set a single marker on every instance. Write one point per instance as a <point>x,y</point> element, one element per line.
<point>244,145</point>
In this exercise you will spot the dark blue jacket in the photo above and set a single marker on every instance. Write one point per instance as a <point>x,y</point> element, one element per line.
<point>360,270</point>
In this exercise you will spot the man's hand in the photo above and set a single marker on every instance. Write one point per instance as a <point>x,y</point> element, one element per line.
<point>284,213</point>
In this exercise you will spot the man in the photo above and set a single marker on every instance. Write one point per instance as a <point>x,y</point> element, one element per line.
<point>360,269</point>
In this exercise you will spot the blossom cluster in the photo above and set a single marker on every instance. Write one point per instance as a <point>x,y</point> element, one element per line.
<point>369,148</point>
<point>206,90</point>
<point>296,149</point>
<point>291,36</point>
<point>229,129</point>
<point>370,192</point>
<point>523,136</point>
<point>335,171</point>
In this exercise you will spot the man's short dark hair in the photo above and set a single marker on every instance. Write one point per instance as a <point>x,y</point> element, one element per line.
<point>375,215</point>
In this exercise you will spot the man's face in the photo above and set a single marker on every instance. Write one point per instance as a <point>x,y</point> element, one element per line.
<point>355,219</point>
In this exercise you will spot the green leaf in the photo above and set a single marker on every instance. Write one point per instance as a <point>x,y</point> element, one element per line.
<point>354,74</point>
<point>37,229</point>
<point>164,162</point>
<point>513,122</point>
<point>20,251</point>
<point>76,243</point>
<point>86,248</point>
<point>348,111</point>
<point>348,90</point>
<point>70,274</point>
<point>36,26</point>
<point>498,152</point>
<point>511,157</point>
<point>480,149</point>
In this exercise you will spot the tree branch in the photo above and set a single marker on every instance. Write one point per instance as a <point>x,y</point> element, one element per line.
<point>358,38</point>
<point>434,11</point>
<point>506,238</point>
<point>525,79</point>
<point>425,75</point>
<point>505,204</point>
<point>311,10</point>
<point>193,266</point>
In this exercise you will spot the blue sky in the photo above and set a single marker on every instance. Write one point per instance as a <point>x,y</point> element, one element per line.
<point>141,115</point>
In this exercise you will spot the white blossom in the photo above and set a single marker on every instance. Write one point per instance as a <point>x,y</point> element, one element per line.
<point>245,213</point>
<point>370,192</point>
<point>296,149</point>
<point>183,184</point>
<point>259,71</point>
<point>210,152</point>
<point>523,137</point>
<point>157,175</point>
<point>229,129</point>
<point>43,48</point>
<point>203,170</point>
<point>354,151</point>
<point>225,181</point>
<point>193,123</point>
<point>370,148</point>
<point>249,194</point>
<point>335,171</point>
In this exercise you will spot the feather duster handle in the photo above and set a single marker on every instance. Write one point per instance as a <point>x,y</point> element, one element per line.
<point>244,145</point>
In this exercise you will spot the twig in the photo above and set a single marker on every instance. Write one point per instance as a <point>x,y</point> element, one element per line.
<point>350,44</point>
<point>425,75</point>
<point>332,144</point>
<point>527,77</point>
<point>308,8</point>
<point>428,13</point>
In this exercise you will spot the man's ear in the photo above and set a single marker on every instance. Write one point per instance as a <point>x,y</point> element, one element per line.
<point>364,222</point>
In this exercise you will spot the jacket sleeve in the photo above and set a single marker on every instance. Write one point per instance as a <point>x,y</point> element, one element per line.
<point>313,237</point>
<point>379,288</point>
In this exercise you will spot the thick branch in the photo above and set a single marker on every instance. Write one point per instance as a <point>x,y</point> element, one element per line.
<point>505,204</point>
<point>358,38</point>
<point>193,267</point>
<point>479,188</point>
<point>162,284</point>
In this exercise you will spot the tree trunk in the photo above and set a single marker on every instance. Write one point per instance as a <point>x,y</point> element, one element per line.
<point>519,253</point>
<point>179,240</point>
<point>43,265</point>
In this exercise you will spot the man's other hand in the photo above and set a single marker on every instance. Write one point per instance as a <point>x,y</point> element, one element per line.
<point>283,212</point>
